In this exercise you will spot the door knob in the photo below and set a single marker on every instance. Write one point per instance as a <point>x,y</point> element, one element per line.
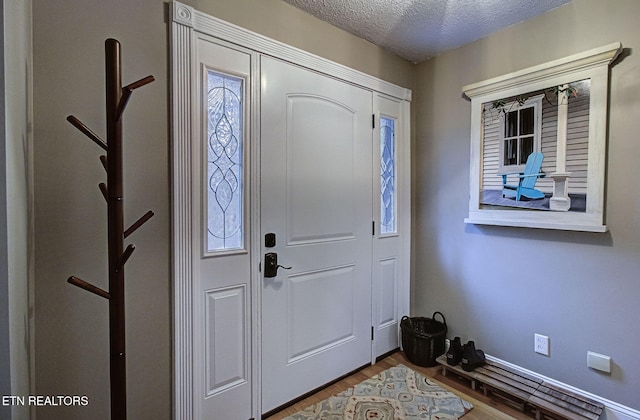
<point>271,265</point>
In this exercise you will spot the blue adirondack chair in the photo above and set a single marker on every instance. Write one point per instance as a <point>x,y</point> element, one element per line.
<point>526,180</point>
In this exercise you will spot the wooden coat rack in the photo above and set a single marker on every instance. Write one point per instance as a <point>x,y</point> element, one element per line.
<point>117,98</point>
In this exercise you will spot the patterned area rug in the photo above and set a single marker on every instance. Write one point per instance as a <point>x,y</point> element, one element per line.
<point>398,393</point>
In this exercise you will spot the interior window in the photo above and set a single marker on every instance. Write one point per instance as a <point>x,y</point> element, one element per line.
<point>520,132</point>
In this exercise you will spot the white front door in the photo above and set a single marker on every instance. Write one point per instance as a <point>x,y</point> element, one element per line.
<point>244,344</point>
<point>316,199</point>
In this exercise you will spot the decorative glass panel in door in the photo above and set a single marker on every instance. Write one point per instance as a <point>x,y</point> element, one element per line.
<point>388,176</point>
<point>225,136</point>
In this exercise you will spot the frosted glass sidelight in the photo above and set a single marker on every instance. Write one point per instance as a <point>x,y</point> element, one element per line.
<point>387,176</point>
<point>224,184</point>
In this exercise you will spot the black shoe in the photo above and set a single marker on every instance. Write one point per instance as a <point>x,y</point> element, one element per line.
<point>472,358</point>
<point>454,355</point>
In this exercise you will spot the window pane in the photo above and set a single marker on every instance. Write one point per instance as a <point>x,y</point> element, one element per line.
<point>526,121</point>
<point>225,162</point>
<point>511,124</point>
<point>387,176</point>
<point>526,148</point>
<point>510,152</point>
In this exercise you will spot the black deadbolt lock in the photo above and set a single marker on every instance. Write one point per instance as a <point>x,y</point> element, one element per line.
<point>270,240</point>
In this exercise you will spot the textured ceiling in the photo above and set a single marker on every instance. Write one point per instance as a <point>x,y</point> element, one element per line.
<point>419,29</point>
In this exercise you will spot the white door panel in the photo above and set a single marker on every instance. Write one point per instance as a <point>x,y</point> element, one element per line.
<point>312,182</point>
<point>386,291</point>
<point>221,297</point>
<point>225,340</point>
<point>316,196</point>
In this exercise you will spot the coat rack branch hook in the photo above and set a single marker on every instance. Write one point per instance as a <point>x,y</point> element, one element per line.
<point>148,215</point>
<point>125,256</point>
<point>86,131</point>
<point>104,191</point>
<point>88,287</point>
<point>126,94</point>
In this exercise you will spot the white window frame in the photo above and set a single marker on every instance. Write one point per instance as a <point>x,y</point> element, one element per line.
<point>534,102</point>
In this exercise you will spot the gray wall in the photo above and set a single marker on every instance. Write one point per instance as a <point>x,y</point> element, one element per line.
<point>70,215</point>
<point>500,285</point>
<point>582,295</point>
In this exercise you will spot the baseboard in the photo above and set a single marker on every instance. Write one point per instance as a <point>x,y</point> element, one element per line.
<point>612,409</point>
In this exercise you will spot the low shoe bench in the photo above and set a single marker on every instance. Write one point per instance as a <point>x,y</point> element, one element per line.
<point>525,391</point>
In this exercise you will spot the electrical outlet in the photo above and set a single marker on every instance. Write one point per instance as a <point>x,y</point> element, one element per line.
<point>541,344</point>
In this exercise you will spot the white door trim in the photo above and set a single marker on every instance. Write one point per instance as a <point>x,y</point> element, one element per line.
<point>186,24</point>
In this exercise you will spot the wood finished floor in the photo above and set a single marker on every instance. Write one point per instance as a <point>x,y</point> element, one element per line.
<point>484,407</point>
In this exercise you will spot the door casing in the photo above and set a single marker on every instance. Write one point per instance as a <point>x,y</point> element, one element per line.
<point>187,25</point>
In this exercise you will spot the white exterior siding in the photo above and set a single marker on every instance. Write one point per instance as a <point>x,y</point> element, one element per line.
<point>491,150</point>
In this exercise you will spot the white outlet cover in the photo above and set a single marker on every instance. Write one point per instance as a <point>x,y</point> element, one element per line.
<point>599,362</point>
<point>541,344</point>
